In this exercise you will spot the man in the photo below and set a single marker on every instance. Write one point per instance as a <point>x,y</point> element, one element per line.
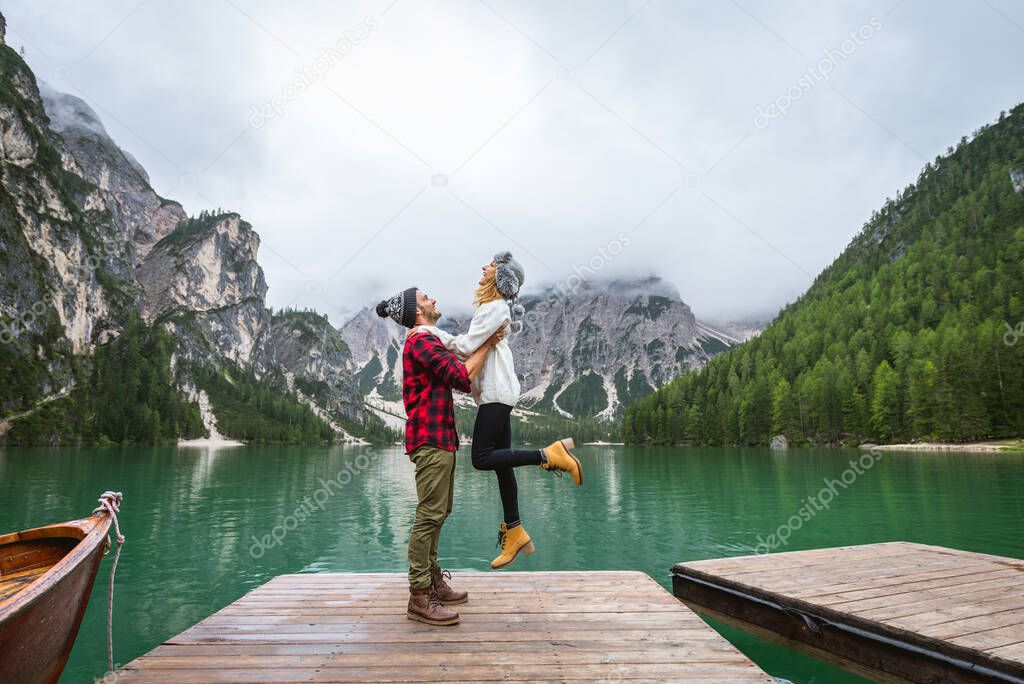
<point>429,374</point>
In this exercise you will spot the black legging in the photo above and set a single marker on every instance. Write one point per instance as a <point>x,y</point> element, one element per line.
<point>492,437</point>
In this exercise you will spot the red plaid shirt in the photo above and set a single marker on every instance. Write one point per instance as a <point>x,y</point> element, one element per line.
<point>429,373</point>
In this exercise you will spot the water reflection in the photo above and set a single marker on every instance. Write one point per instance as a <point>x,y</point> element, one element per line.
<point>191,517</point>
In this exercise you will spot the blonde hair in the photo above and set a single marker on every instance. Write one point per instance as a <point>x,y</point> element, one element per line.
<point>487,292</point>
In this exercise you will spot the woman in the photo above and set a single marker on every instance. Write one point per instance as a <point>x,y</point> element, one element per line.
<point>496,391</point>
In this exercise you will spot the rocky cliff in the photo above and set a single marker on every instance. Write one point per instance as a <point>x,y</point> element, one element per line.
<point>67,268</point>
<point>204,283</point>
<point>136,209</point>
<point>86,245</point>
<point>375,345</point>
<point>314,354</point>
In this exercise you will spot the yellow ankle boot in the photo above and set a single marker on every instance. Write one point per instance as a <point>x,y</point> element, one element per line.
<point>557,457</point>
<point>512,542</point>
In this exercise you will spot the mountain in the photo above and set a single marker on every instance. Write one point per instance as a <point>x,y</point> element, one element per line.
<point>67,281</point>
<point>318,363</point>
<point>913,332</point>
<point>204,284</point>
<point>591,352</point>
<point>375,347</point>
<point>741,330</point>
<point>123,319</point>
<point>582,356</point>
<point>145,216</point>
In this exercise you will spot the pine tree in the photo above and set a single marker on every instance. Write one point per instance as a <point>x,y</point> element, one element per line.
<point>785,418</point>
<point>885,402</point>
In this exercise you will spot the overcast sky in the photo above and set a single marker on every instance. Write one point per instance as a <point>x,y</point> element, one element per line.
<point>733,148</point>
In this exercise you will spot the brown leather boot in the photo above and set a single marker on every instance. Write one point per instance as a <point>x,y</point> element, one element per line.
<point>445,592</point>
<point>425,606</point>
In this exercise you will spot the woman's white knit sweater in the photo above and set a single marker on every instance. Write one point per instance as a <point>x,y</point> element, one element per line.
<point>496,381</point>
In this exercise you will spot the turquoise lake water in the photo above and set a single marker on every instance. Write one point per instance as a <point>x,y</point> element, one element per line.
<point>192,518</point>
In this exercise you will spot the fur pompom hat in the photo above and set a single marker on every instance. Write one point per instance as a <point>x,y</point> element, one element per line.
<point>401,308</point>
<point>509,278</point>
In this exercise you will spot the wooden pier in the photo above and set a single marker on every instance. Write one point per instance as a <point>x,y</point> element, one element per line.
<point>516,626</point>
<point>893,612</point>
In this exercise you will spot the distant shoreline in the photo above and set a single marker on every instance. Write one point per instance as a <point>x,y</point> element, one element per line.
<point>994,446</point>
<point>208,442</point>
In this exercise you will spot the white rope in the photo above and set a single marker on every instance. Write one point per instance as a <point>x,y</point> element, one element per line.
<point>111,503</point>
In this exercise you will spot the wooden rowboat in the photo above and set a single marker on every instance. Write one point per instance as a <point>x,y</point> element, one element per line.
<point>46,576</point>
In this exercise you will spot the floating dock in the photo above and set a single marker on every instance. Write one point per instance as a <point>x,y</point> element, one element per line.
<point>895,611</point>
<point>516,626</point>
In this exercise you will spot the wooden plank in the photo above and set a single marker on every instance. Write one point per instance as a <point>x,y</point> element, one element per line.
<point>838,559</point>
<point>662,656</point>
<point>356,593</point>
<point>915,588</point>
<point>988,640</point>
<point>314,580</point>
<point>742,564</point>
<point>893,587</point>
<point>13,582</point>
<point>906,562</point>
<point>723,673</point>
<point>479,649</point>
<point>652,594</point>
<point>498,637</point>
<point>535,606</point>
<point>491,625</point>
<point>516,627</point>
<point>489,622</point>
<point>943,623</point>
<point>481,613</point>
<point>525,604</point>
<point>850,569</point>
<point>506,582</point>
<point>900,604</point>
<point>895,610</point>
<point>1011,652</point>
<point>168,656</point>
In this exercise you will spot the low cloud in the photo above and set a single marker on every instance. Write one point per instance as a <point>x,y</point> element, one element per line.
<point>554,129</point>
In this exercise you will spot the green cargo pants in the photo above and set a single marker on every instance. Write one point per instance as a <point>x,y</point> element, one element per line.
<point>435,486</point>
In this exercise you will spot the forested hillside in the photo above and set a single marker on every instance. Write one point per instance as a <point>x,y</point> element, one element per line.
<point>911,333</point>
<point>128,394</point>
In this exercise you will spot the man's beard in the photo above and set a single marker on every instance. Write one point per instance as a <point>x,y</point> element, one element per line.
<point>432,316</point>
